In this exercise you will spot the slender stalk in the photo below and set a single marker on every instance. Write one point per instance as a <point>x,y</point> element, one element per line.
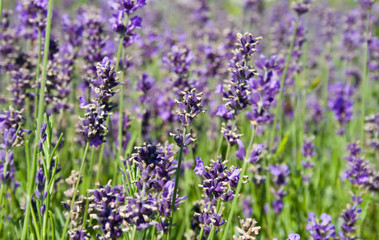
<point>75,190</point>
<point>1,9</point>
<point>278,113</point>
<point>177,180</point>
<point>239,186</point>
<point>364,79</point>
<point>41,103</point>
<point>37,72</point>
<point>121,100</point>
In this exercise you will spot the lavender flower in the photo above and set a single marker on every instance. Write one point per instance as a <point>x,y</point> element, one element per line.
<point>10,128</point>
<point>209,216</point>
<point>189,106</point>
<point>280,178</point>
<point>301,7</point>
<point>323,230</point>
<point>178,60</point>
<point>106,211</point>
<point>230,134</point>
<point>341,103</point>
<point>157,165</point>
<point>358,172</point>
<point>139,210</point>
<point>349,217</point>
<point>7,170</point>
<point>291,236</point>
<point>93,125</point>
<point>218,181</point>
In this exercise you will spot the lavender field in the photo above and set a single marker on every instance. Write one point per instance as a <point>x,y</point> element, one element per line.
<point>189,119</point>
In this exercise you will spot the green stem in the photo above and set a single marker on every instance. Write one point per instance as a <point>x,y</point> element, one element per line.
<point>177,180</point>
<point>75,191</point>
<point>364,79</point>
<point>37,72</point>
<point>279,113</point>
<point>1,9</point>
<point>41,103</point>
<point>239,186</point>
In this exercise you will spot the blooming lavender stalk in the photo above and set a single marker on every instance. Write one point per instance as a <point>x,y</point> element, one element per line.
<point>308,152</point>
<point>280,178</point>
<point>349,217</point>
<point>323,230</point>
<point>93,126</point>
<point>189,107</point>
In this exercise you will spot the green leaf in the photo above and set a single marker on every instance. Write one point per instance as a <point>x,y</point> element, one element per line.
<point>282,145</point>
<point>315,83</point>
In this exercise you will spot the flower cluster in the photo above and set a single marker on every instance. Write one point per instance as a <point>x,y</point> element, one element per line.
<point>341,103</point>
<point>236,91</point>
<point>189,106</point>
<point>248,230</point>
<point>308,152</point>
<point>105,202</point>
<point>209,216</point>
<point>97,111</point>
<point>178,61</point>
<point>219,182</point>
<point>10,128</point>
<point>280,178</point>
<point>320,230</point>
<point>372,131</point>
<point>349,217</point>
<point>360,173</point>
<point>263,90</point>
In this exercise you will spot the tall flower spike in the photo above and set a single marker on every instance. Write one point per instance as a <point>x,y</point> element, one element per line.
<point>189,106</point>
<point>320,230</point>
<point>97,111</point>
<point>246,43</point>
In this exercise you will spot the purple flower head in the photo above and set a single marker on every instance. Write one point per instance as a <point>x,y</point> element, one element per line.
<point>178,60</point>
<point>97,111</point>
<point>255,154</point>
<point>219,182</point>
<point>106,210</point>
<point>301,7</point>
<point>323,230</point>
<point>265,63</point>
<point>139,211</point>
<point>7,169</point>
<point>225,113</point>
<point>156,164</point>
<point>230,134</point>
<point>280,174</point>
<point>308,148</point>
<point>40,181</point>
<point>190,106</point>
<point>280,178</point>
<point>246,43</point>
<point>359,171</point>
<point>144,87</point>
<point>341,103</point>
<point>240,154</point>
<point>293,236</point>
<point>349,218</point>
<point>188,138</point>
<point>199,169</point>
<point>209,217</point>
<point>129,6</point>
<point>117,22</point>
